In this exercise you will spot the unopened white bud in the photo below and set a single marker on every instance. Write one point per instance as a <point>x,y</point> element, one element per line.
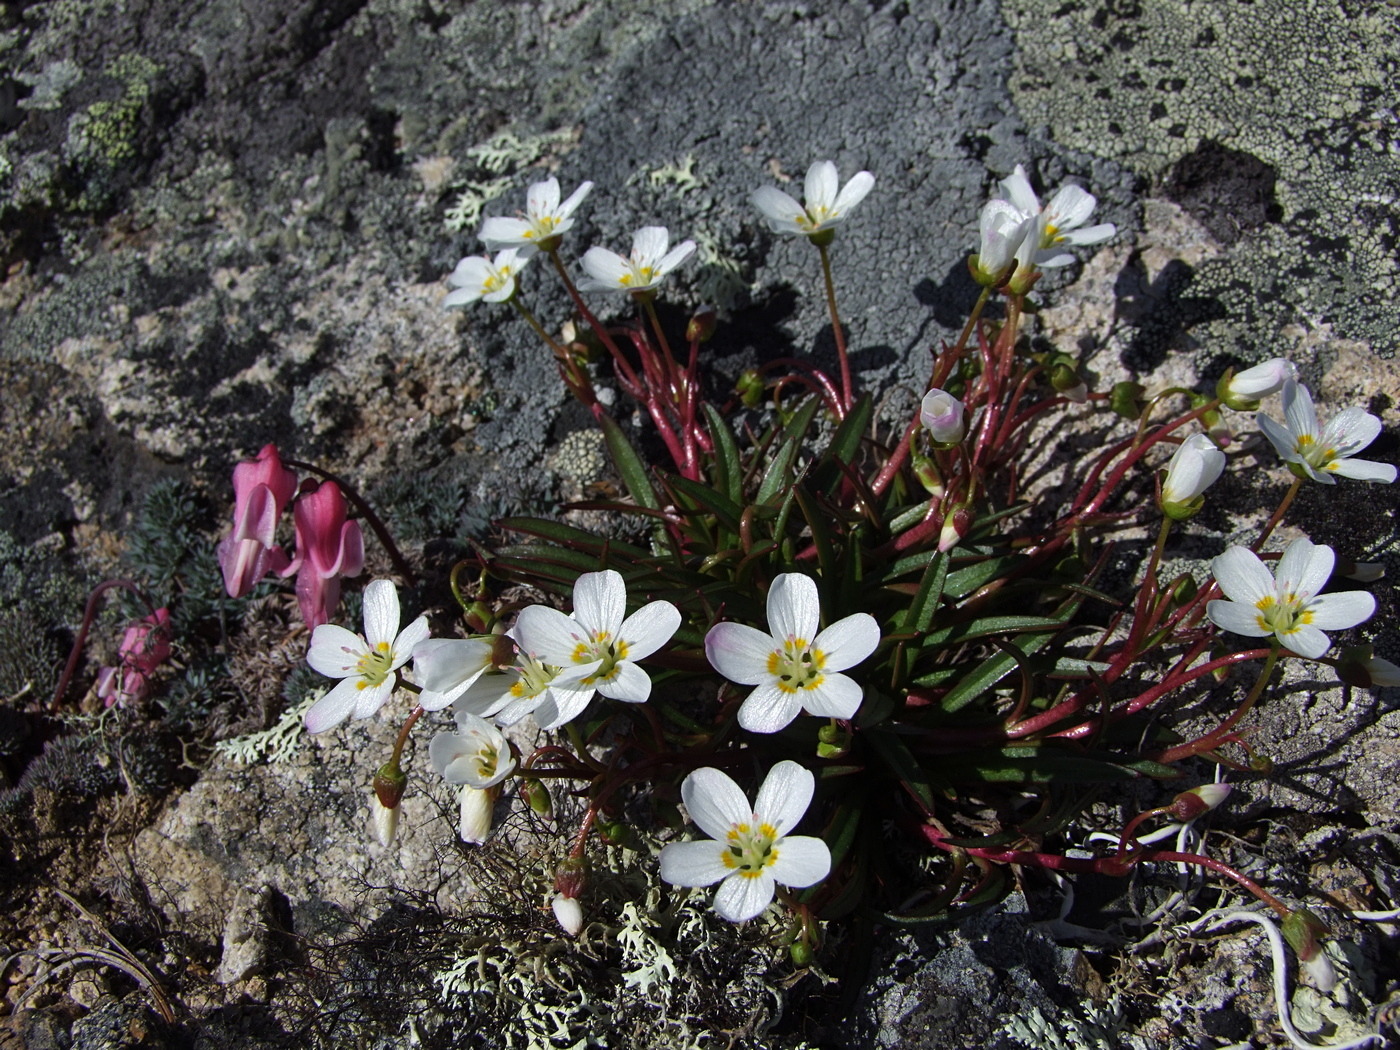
<point>1366,571</point>
<point>383,821</point>
<point>942,415</point>
<point>1243,390</point>
<point>476,807</point>
<point>568,913</point>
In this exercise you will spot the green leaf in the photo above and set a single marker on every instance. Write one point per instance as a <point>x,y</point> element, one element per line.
<point>963,581</point>
<point>924,604</point>
<point>635,475</point>
<point>778,476</point>
<point>961,632</point>
<point>728,465</point>
<point>571,537</point>
<point>896,755</point>
<point>988,673</point>
<point>708,501</point>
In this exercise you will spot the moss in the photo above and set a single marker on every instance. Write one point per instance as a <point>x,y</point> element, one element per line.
<point>1302,87</point>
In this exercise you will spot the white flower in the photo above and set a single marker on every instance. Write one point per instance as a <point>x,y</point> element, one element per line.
<point>1242,391</point>
<point>1381,672</point>
<point>942,415</point>
<point>527,687</point>
<point>749,848</point>
<point>475,812</point>
<point>478,277</point>
<point>477,754</point>
<point>446,668</point>
<point>824,207</point>
<point>595,648</point>
<point>1288,606</point>
<point>545,218</point>
<point>1194,467</point>
<point>1365,571</point>
<point>642,271</point>
<point>1318,454</point>
<point>1060,220</point>
<point>1003,230</point>
<point>794,667</point>
<point>368,665</point>
<point>567,913</point>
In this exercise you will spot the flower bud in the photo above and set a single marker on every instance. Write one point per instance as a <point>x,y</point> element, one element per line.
<point>568,914</point>
<point>613,832</point>
<point>1243,391</point>
<point>537,797</point>
<point>702,325</point>
<point>942,415</point>
<point>1002,227</point>
<point>1304,931</point>
<point>1361,571</point>
<point>801,954</point>
<point>1195,467</point>
<point>955,527</point>
<point>749,387</point>
<point>383,821</point>
<point>1189,805</point>
<point>389,783</point>
<point>1357,666</point>
<point>1126,399</point>
<point>475,819</point>
<point>1065,378</point>
<point>571,876</point>
<point>930,477</point>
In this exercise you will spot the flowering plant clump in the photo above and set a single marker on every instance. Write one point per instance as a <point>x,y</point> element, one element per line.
<point>866,620</point>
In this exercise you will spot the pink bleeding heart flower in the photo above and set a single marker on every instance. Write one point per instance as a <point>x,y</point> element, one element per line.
<point>261,489</point>
<point>145,646</point>
<point>328,547</point>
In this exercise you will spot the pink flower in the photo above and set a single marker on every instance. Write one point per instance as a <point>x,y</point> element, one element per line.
<point>261,489</point>
<point>145,646</point>
<point>328,547</point>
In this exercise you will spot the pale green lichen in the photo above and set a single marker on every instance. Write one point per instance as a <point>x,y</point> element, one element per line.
<point>1093,1027</point>
<point>107,131</point>
<point>493,167</point>
<point>675,180</point>
<point>277,744</point>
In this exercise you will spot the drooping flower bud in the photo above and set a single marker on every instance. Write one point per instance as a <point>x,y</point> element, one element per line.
<point>942,416</point>
<point>568,914</point>
<point>383,821</point>
<point>261,489</point>
<point>1194,467</point>
<point>328,547</point>
<point>571,876</point>
<point>537,797</point>
<point>1304,932</point>
<point>1065,378</point>
<point>749,387</point>
<point>1357,666</point>
<point>702,324</point>
<point>1126,399</point>
<point>1189,805</point>
<point>1243,391</point>
<point>1002,228</point>
<point>476,805</point>
<point>955,527</point>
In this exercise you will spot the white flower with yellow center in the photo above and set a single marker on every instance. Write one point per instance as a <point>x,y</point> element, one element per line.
<point>826,203</point>
<point>477,755</point>
<point>595,648</point>
<point>368,666</point>
<point>1285,605</point>
<point>1319,452</point>
<point>544,221</point>
<point>1058,221</point>
<point>478,277</point>
<point>641,271</point>
<point>795,668</point>
<point>749,850</point>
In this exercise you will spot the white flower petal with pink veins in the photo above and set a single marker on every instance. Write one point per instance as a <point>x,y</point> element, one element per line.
<point>1321,453</point>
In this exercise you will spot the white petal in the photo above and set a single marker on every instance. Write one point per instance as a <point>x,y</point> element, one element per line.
<point>335,652</point>
<point>1089,235</point>
<point>1263,379</point>
<point>471,272</point>
<point>1306,641</point>
<point>649,245</point>
<point>1364,470</point>
<point>677,255</point>
<point>848,641</point>
<point>1337,612</point>
<point>409,639</point>
<point>629,683</point>
<point>820,186</point>
<point>501,232</point>
<point>1298,409</point>
<point>1304,569</point>
<point>855,191</point>
<point>483,697</point>
<point>371,698</point>
<point>1239,617</point>
<point>1017,189</point>
<point>836,696</point>
<point>561,705</point>
<point>446,751</point>
<point>381,602</point>
<point>778,208</point>
<point>575,199</point>
<point>1195,467</point>
<point>768,709</point>
<point>542,198</point>
<point>461,297</point>
<point>605,270</point>
<point>548,635</point>
<point>1285,444</point>
<point>1349,431</point>
<point>785,795</point>
<point>802,861</point>
<point>793,607</point>
<point>693,863</point>
<point>739,652</point>
<point>600,602</point>
<point>450,665</point>
<point>739,898</point>
<point>1070,207</point>
<point>649,628</point>
<point>333,708</point>
<point>1242,575</point>
<point>715,802</point>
